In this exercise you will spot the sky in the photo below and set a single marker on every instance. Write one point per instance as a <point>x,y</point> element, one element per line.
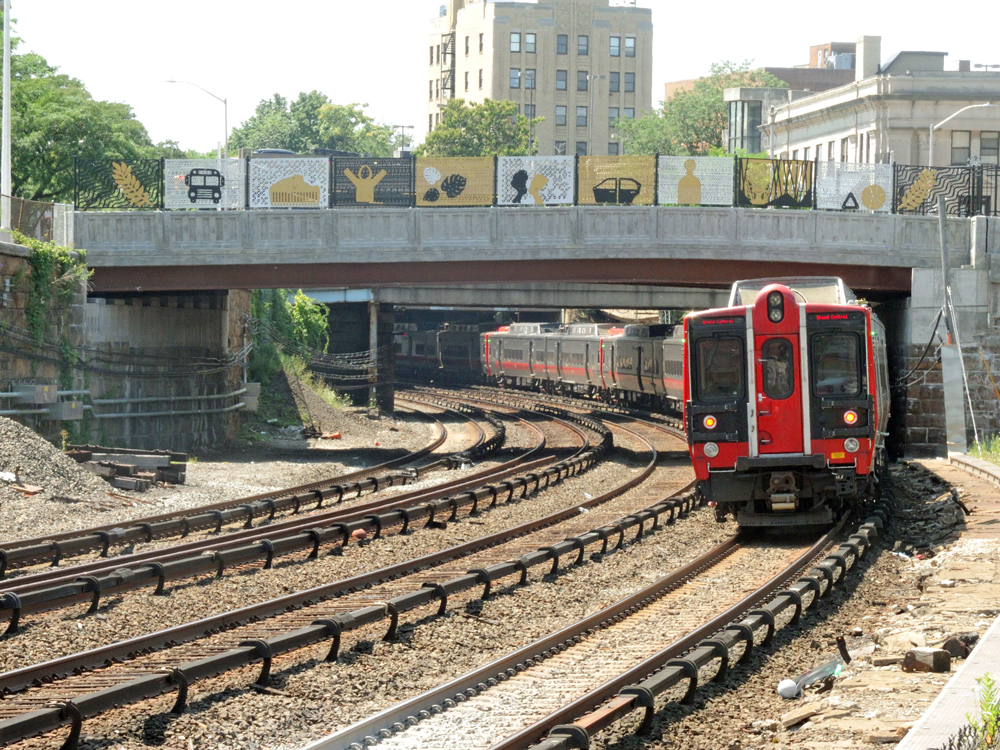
<point>374,52</point>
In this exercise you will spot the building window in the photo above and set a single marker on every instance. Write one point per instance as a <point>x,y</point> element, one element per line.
<point>560,114</point>
<point>830,150</point>
<point>437,51</point>
<point>529,78</point>
<point>562,44</point>
<point>989,147</point>
<point>614,82</point>
<point>466,46</point>
<point>515,41</point>
<point>430,90</point>
<point>466,80</point>
<point>437,119</point>
<point>437,89</point>
<point>612,149</point>
<point>529,43</point>
<point>630,46</point>
<point>805,153</point>
<point>430,123</point>
<point>432,55</point>
<point>581,117</point>
<point>961,147</point>
<point>560,148</point>
<point>795,154</point>
<point>819,151</point>
<point>529,111</point>
<point>515,78</point>
<point>480,78</point>
<point>616,46</point>
<point>744,124</point>
<point>480,44</point>
<point>843,149</point>
<point>581,148</point>
<point>612,116</point>
<point>629,113</point>
<point>868,147</point>
<point>581,80</point>
<point>583,45</point>
<point>629,82</point>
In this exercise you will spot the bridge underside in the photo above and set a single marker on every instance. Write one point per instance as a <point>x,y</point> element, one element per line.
<point>691,272</point>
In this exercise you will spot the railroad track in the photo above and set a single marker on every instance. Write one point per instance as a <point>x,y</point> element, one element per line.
<point>629,653</point>
<point>319,617</point>
<point>59,588</point>
<point>54,548</point>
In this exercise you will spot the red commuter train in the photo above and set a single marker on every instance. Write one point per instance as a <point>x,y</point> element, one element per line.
<point>786,401</point>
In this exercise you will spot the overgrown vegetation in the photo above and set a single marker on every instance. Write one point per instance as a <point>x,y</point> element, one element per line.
<point>297,367</point>
<point>300,321</point>
<point>57,274</point>
<point>988,449</point>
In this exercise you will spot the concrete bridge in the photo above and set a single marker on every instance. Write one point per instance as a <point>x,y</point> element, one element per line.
<point>655,245</point>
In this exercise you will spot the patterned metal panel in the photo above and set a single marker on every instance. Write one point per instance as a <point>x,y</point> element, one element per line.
<point>696,181</point>
<point>290,183</point>
<point>454,181</point>
<point>204,183</point>
<point>989,190</point>
<point>842,185</point>
<point>373,181</point>
<point>774,183</point>
<point>617,180</point>
<point>118,183</point>
<point>918,188</point>
<point>535,180</point>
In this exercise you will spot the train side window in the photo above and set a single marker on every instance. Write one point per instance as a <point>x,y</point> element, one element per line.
<point>778,368</point>
<point>720,369</point>
<point>836,362</point>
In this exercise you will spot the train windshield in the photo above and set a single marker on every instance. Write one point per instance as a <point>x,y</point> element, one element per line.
<point>720,369</point>
<point>836,364</point>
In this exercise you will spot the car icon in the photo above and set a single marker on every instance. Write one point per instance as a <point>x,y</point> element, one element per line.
<point>205,184</point>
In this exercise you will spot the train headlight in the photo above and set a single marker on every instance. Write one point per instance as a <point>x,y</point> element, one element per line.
<point>711,450</point>
<point>850,417</point>
<point>775,307</point>
<point>710,422</point>
<point>851,445</point>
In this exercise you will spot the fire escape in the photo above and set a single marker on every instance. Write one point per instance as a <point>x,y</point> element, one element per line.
<point>448,62</point>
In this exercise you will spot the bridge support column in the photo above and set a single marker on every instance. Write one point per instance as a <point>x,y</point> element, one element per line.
<point>380,323</point>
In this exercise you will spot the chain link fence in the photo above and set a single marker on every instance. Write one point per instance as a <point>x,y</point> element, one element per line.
<point>48,222</point>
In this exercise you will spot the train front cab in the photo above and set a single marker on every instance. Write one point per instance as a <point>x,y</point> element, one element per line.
<point>785,436</point>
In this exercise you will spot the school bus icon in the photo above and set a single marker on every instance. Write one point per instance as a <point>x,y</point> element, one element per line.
<point>205,184</point>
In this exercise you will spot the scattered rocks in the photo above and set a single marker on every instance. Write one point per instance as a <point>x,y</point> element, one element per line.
<point>801,713</point>
<point>927,660</point>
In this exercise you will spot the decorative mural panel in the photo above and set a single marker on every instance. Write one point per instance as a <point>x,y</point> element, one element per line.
<point>918,188</point>
<point>774,183</point>
<point>617,180</point>
<point>696,181</point>
<point>535,180</point>
<point>290,183</point>
<point>841,185</point>
<point>118,183</point>
<point>362,181</point>
<point>204,183</point>
<point>454,181</point>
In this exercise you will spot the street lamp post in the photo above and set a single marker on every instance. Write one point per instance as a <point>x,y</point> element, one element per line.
<point>930,150</point>
<point>590,114</point>
<point>402,135</point>
<point>5,181</point>
<point>225,108</point>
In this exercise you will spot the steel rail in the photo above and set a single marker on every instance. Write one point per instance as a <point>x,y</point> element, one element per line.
<point>258,504</point>
<point>26,676</point>
<point>639,686</point>
<point>34,722</point>
<point>60,588</point>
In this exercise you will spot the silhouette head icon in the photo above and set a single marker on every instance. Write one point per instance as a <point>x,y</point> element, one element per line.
<point>520,184</point>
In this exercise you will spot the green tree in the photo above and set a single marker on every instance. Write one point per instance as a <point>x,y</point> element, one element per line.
<point>693,122</point>
<point>493,127</point>
<point>310,321</point>
<point>346,127</point>
<point>270,126</point>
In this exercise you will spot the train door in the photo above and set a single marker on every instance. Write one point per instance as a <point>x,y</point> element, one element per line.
<point>779,395</point>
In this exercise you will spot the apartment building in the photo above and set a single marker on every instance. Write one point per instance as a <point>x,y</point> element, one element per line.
<point>579,64</point>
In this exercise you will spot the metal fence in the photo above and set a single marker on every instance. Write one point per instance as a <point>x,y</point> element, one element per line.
<point>358,182</point>
<point>49,222</point>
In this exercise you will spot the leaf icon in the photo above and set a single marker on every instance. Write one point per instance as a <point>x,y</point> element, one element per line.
<point>129,184</point>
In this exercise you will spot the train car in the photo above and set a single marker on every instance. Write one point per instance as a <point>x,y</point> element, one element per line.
<point>786,396</point>
<point>449,353</point>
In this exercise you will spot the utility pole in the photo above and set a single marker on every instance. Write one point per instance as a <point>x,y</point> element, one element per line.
<point>951,353</point>
<point>5,182</point>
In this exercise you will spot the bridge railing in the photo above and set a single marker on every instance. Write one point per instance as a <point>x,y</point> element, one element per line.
<point>442,182</point>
